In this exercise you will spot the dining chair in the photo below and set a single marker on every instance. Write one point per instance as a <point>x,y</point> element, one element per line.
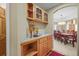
<point>73,39</point>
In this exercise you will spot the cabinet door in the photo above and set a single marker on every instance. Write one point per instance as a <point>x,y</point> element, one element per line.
<point>50,45</point>
<point>45,45</point>
<point>41,51</point>
<point>45,48</point>
<point>45,17</point>
<point>2,37</point>
<point>38,13</point>
<point>42,47</point>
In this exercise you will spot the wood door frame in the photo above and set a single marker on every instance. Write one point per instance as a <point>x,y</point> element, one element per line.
<point>3,31</point>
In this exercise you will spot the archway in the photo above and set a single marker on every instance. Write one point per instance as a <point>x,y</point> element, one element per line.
<point>62,7</point>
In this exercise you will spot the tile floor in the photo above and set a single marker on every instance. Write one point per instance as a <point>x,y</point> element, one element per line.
<point>67,50</point>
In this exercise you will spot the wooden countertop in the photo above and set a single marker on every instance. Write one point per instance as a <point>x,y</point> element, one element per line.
<point>33,39</point>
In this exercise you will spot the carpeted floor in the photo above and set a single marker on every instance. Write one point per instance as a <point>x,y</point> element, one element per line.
<point>54,53</point>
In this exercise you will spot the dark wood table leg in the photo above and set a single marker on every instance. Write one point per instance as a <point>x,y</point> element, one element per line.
<point>73,43</point>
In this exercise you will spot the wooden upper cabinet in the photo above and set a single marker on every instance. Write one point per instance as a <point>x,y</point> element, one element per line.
<point>37,14</point>
<point>41,14</point>
<point>30,10</point>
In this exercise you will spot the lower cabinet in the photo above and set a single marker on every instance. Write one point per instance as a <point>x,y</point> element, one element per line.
<point>45,45</point>
<point>38,47</point>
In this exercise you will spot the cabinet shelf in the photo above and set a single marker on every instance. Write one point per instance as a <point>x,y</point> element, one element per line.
<point>36,20</point>
<point>29,48</point>
<point>46,22</point>
<point>30,10</point>
<point>29,18</point>
<point>32,53</point>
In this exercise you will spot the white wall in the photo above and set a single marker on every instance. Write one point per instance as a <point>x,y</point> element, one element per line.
<point>18,26</point>
<point>7,31</point>
<point>78,34</point>
<point>13,29</point>
<point>49,26</point>
<point>22,25</point>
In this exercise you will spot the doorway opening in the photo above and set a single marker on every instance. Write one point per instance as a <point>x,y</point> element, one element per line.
<point>65,30</point>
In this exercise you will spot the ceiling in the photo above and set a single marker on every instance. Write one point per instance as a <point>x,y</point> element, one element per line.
<point>65,14</point>
<point>47,6</point>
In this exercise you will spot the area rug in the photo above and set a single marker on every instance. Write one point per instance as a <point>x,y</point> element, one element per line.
<point>54,53</point>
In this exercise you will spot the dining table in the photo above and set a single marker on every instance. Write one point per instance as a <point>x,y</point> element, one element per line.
<point>67,34</point>
<point>68,37</point>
